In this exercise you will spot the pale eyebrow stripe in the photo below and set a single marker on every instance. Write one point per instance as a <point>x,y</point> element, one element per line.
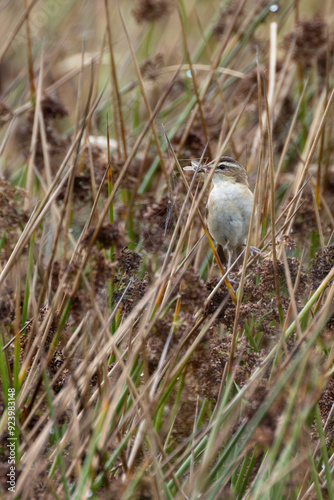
<point>228,164</point>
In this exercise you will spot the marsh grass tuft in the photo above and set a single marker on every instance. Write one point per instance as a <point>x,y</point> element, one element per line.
<point>139,372</point>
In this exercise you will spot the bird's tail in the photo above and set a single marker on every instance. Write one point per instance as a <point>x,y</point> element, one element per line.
<point>236,256</point>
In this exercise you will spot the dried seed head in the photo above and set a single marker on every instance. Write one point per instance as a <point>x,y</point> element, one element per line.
<point>321,266</point>
<point>128,261</point>
<point>223,22</point>
<point>108,236</point>
<point>5,114</point>
<point>53,107</point>
<point>310,36</point>
<point>150,67</point>
<point>288,242</point>
<point>152,10</point>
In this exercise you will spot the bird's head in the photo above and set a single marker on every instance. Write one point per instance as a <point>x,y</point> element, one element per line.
<point>227,169</point>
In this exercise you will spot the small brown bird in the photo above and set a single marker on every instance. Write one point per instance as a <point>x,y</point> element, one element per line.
<point>229,207</point>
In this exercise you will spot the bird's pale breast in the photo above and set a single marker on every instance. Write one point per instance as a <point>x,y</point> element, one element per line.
<point>229,212</point>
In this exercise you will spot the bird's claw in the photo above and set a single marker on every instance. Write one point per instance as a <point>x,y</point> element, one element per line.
<point>256,250</point>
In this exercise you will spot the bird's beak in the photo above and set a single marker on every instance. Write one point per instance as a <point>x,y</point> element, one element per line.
<point>208,167</point>
<point>201,168</point>
<point>197,167</point>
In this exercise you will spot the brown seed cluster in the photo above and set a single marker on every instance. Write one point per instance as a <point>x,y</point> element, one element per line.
<point>305,220</point>
<point>52,108</point>
<point>7,306</point>
<point>264,434</point>
<point>267,274</point>
<point>250,84</point>
<point>224,17</point>
<point>321,266</point>
<point>57,359</point>
<point>213,117</point>
<point>159,217</point>
<point>83,183</point>
<point>310,38</point>
<point>128,261</point>
<point>159,334</point>
<point>57,144</point>
<point>192,291</point>
<point>288,242</point>
<point>258,309</point>
<point>217,299</point>
<point>13,215</point>
<point>5,114</point>
<point>11,205</point>
<point>152,10</point>
<point>127,284</point>
<point>150,68</point>
<point>134,171</point>
<point>109,235</point>
<point>194,145</point>
<point>326,403</point>
<point>134,290</point>
<point>101,271</point>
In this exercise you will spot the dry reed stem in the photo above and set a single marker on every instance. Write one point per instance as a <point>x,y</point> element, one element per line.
<point>32,153</point>
<point>117,105</point>
<point>146,102</point>
<point>16,29</point>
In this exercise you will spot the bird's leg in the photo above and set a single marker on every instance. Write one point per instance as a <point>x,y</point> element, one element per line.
<point>229,264</point>
<point>255,250</point>
<point>229,260</point>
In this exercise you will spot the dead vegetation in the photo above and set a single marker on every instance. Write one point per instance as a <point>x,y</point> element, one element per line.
<point>138,371</point>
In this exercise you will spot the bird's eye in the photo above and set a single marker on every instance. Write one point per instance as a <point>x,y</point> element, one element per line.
<point>221,166</point>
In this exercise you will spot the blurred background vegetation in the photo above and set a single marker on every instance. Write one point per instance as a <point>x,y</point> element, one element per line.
<point>139,371</point>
